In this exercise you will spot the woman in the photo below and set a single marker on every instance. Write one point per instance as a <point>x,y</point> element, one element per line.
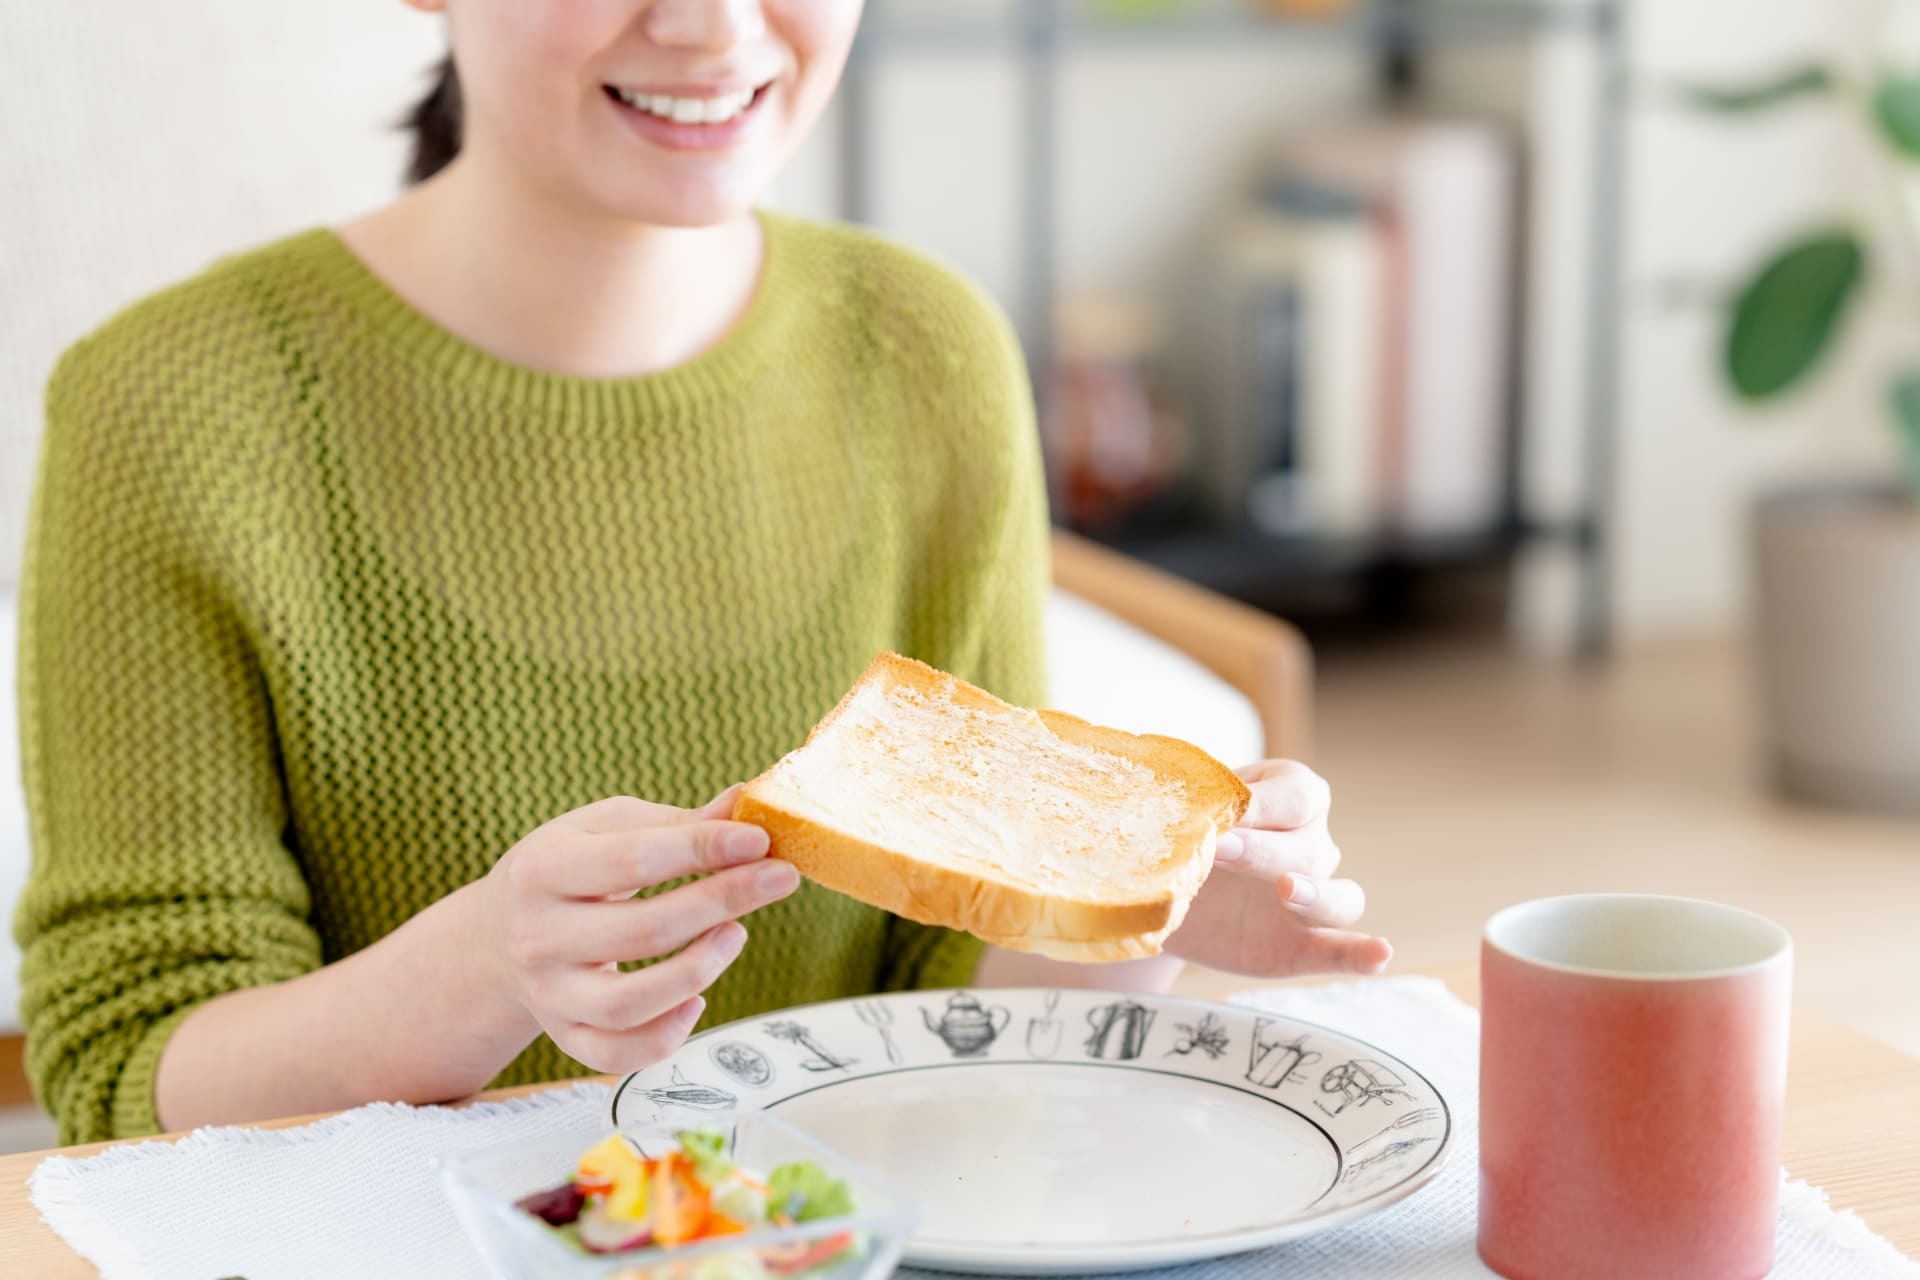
<point>360,557</point>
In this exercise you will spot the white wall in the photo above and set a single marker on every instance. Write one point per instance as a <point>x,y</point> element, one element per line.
<point>138,146</point>
<point>1150,142</point>
<point>141,142</point>
<point>1709,197</point>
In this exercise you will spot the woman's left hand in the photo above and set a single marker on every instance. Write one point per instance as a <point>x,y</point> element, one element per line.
<point>1272,906</point>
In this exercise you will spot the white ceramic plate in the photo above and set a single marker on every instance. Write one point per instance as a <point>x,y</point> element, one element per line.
<point>1067,1132</point>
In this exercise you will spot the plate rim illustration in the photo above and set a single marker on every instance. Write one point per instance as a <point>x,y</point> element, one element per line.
<point>1073,1257</point>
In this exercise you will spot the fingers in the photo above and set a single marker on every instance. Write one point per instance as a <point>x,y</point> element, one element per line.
<point>605,998</point>
<point>642,928</point>
<point>598,866</point>
<point>622,813</point>
<point>1338,951</point>
<point>1323,902</point>
<point>618,813</point>
<point>1268,855</point>
<point>1286,795</point>
<point>618,1052</point>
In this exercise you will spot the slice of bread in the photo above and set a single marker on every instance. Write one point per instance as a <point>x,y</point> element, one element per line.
<point>1034,830</point>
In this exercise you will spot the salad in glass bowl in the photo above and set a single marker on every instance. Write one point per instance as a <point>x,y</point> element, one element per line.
<point>619,1199</point>
<point>746,1197</point>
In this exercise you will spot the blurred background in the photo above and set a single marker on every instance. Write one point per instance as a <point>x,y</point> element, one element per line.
<point>1546,362</point>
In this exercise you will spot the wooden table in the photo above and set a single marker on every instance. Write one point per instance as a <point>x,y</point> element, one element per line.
<point>1852,1127</point>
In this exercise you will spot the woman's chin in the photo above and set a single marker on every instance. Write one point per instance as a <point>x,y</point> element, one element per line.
<point>681,202</point>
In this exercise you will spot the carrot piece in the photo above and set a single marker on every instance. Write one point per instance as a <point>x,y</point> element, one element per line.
<point>681,1202</point>
<point>719,1224</point>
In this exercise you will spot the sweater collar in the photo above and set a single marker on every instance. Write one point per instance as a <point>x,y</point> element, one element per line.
<point>715,375</point>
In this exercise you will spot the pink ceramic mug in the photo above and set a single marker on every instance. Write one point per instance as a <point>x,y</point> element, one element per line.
<point>1633,1061</point>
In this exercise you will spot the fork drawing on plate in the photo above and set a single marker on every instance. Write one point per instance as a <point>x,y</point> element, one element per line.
<point>880,1017</point>
<point>1404,1122</point>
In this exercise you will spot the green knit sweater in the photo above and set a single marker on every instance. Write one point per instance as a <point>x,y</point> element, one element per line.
<point>324,608</point>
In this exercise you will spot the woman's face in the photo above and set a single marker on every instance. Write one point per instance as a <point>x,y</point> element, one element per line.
<point>673,112</point>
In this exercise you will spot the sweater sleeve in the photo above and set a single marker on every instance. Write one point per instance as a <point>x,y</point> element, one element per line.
<point>983,611</point>
<point>160,878</point>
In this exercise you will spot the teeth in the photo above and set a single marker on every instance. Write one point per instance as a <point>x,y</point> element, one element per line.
<point>688,110</point>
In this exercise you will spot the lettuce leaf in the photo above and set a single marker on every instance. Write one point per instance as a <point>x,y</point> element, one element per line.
<point>804,1191</point>
<point>707,1149</point>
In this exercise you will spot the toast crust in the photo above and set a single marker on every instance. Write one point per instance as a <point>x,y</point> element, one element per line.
<point>1096,926</point>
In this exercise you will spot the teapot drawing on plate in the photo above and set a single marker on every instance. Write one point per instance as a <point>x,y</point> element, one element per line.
<point>967,1027</point>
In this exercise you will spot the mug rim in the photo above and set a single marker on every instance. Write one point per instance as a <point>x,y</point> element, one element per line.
<point>1780,953</point>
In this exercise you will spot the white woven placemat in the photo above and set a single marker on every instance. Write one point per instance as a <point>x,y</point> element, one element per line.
<point>356,1195</point>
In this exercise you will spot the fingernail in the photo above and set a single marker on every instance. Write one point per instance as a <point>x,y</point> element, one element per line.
<point>777,877</point>
<point>1305,891</point>
<point>699,1006</point>
<point>743,842</point>
<point>730,938</point>
<point>1230,845</point>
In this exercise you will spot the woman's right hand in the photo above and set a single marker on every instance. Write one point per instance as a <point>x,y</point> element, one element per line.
<point>563,915</point>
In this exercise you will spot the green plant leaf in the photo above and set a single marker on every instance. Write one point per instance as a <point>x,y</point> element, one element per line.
<point>1786,315</point>
<point>1906,412</point>
<point>1896,106</point>
<point>1757,96</point>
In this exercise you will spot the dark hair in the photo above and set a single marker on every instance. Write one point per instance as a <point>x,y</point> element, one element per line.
<point>435,122</point>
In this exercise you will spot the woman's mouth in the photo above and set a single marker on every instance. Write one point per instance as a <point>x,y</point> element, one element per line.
<point>686,122</point>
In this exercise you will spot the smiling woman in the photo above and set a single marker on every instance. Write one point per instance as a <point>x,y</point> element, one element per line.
<point>722,93</point>
<point>436,121</point>
<point>376,574</point>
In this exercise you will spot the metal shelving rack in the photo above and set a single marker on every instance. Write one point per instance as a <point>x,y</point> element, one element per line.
<point>1039,32</point>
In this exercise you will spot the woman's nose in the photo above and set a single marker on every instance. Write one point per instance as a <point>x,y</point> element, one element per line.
<point>707,25</point>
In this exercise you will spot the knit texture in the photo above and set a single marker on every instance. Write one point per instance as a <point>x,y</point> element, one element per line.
<point>324,609</point>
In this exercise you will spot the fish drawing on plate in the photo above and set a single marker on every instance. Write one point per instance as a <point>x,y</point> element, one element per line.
<point>742,1062</point>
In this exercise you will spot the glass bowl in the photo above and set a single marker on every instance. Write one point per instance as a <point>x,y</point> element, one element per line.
<point>483,1187</point>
